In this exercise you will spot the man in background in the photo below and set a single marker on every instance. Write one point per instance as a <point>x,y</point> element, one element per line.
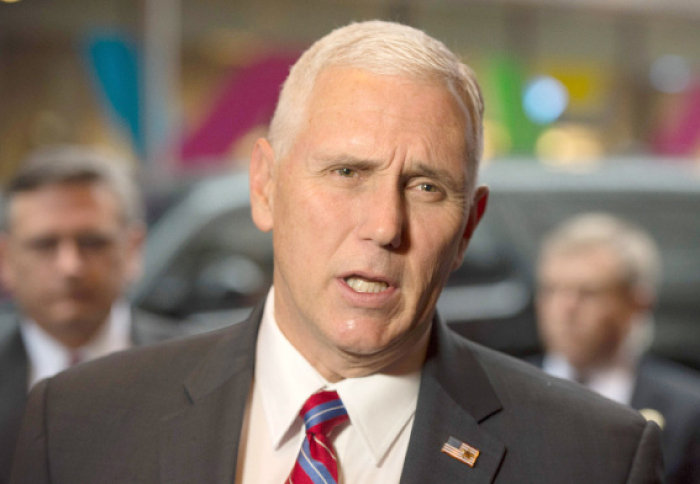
<point>72,233</point>
<point>597,280</point>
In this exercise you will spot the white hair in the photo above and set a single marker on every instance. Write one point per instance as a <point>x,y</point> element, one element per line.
<point>381,48</point>
<point>635,249</point>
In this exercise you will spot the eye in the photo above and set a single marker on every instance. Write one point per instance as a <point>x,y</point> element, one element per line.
<point>427,187</point>
<point>93,242</point>
<point>346,172</point>
<point>47,244</point>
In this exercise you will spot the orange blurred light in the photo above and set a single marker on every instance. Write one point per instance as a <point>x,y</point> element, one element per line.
<point>569,144</point>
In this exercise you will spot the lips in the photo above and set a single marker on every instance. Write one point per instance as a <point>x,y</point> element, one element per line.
<point>364,285</point>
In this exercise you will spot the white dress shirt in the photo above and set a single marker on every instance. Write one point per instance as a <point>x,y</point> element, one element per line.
<point>48,357</point>
<point>371,449</point>
<point>615,380</point>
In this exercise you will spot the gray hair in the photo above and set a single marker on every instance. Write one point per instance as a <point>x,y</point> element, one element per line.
<point>634,247</point>
<point>382,48</point>
<point>65,164</point>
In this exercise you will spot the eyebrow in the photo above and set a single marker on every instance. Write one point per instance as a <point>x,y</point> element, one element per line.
<point>417,169</point>
<point>342,159</point>
<point>422,169</point>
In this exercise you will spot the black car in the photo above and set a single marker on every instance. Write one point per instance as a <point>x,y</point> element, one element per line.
<point>206,260</point>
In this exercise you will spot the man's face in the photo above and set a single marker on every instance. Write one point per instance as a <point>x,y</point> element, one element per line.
<point>67,256</point>
<point>585,309</point>
<point>369,215</point>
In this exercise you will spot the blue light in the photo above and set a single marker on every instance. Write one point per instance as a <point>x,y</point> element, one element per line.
<point>545,99</point>
<point>670,74</point>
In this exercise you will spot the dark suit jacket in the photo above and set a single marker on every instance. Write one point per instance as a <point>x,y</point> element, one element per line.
<point>674,392</point>
<point>172,414</point>
<point>14,374</point>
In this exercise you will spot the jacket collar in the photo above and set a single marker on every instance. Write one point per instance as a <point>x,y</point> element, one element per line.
<point>455,397</point>
<point>199,442</point>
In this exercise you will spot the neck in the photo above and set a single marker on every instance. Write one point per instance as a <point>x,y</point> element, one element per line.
<point>401,359</point>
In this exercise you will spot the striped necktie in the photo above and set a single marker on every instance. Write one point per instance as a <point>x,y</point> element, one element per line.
<point>317,463</point>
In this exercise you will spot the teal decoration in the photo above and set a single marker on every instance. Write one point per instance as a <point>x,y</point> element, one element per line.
<point>113,61</point>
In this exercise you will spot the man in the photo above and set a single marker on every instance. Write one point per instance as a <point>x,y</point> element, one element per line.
<point>71,243</point>
<point>597,279</point>
<point>368,185</point>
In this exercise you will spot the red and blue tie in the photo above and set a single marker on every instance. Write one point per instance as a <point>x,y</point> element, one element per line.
<point>317,463</point>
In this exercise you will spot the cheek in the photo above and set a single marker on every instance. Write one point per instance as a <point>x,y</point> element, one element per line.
<point>311,219</point>
<point>437,241</point>
<point>28,271</point>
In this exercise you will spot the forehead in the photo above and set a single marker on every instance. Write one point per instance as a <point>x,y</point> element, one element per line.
<point>349,98</point>
<point>57,202</point>
<point>350,87</point>
<point>592,262</point>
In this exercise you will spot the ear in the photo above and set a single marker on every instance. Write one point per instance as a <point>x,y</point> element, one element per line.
<point>476,212</point>
<point>262,176</point>
<point>643,299</point>
<point>7,273</point>
<point>136,240</point>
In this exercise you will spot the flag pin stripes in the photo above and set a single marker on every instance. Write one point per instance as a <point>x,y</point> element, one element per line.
<point>462,452</point>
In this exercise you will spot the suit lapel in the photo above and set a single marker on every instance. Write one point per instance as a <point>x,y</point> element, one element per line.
<point>454,399</point>
<point>199,442</point>
<point>14,375</point>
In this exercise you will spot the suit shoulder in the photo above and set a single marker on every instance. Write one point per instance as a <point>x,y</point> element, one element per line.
<point>671,377</point>
<point>149,328</point>
<point>669,388</point>
<point>157,370</point>
<point>552,430</point>
<point>9,324</point>
<point>523,385</point>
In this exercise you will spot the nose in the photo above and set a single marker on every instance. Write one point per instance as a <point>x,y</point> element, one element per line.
<point>69,258</point>
<point>382,216</point>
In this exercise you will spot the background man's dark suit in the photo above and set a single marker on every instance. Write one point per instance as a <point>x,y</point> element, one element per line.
<point>674,392</point>
<point>14,374</point>
<point>173,414</point>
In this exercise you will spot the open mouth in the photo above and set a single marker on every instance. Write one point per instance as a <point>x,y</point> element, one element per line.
<point>360,284</point>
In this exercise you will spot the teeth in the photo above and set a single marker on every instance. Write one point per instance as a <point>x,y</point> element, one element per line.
<point>363,285</point>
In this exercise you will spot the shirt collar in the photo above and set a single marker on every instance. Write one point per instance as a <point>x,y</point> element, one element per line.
<point>615,382</point>
<point>47,356</point>
<point>379,405</point>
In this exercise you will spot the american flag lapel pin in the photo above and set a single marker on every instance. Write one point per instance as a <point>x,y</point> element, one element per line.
<point>461,451</point>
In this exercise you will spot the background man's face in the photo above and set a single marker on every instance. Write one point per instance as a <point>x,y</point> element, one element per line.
<point>67,256</point>
<point>369,215</point>
<point>585,309</point>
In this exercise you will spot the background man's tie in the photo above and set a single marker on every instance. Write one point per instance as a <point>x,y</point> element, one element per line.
<point>317,462</point>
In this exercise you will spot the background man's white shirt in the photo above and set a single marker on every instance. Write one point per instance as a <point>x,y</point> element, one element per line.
<point>615,382</point>
<point>48,357</point>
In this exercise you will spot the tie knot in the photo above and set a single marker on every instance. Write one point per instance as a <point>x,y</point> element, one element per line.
<point>322,412</point>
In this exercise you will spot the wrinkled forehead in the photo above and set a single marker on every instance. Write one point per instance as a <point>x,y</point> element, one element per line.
<point>339,76</point>
<point>347,90</point>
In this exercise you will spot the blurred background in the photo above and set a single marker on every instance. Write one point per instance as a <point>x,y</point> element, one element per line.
<point>591,105</point>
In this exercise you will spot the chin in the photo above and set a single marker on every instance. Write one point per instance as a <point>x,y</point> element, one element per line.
<point>367,344</point>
